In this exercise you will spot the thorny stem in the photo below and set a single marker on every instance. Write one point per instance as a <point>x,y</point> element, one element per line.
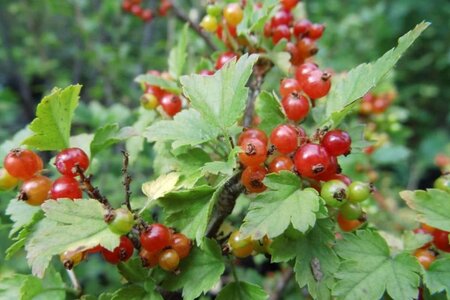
<point>181,16</point>
<point>281,285</point>
<point>92,191</point>
<point>126,180</point>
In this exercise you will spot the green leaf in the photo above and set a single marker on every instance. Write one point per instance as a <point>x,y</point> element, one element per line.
<point>157,188</point>
<point>10,286</point>
<point>22,215</point>
<point>281,59</point>
<point>223,167</point>
<point>391,154</point>
<point>199,272</point>
<point>109,135</point>
<point>358,81</point>
<point>187,128</point>
<point>432,206</point>
<point>136,292</point>
<point>284,203</point>
<point>135,144</point>
<point>50,287</point>
<point>315,261</point>
<point>437,277</point>
<point>178,54</point>
<point>242,291</point>
<point>268,109</point>
<point>14,142</point>
<point>63,230</point>
<point>188,211</point>
<point>164,84</point>
<point>82,141</point>
<point>133,271</point>
<point>221,98</point>
<point>51,127</point>
<point>413,241</point>
<point>368,269</point>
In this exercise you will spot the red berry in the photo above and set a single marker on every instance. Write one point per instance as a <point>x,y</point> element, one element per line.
<point>311,160</point>
<point>296,107</point>
<point>380,104</point>
<point>146,15</point>
<point>206,72</point>
<point>296,59</point>
<point>253,133</point>
<point>171,104</point>
<point>164,7</point>
<point>280,163</point>
<point>331,171</point>
<point>306,47</point>
<point>285,138</point>
<point>94,250</point>
<point>425,257</point>
<point>122,252</point>
<point>289,86</point>
<point>254,152</point>
<point>441,240</point>
<point>267,30</point>
<point>126,5</point>
<point>181,244</point>
<point>337,142</point>
<point>66,187</point>
<point>281,32</point>
<point>136,10</point>
<point>224,58</point>
<point>303,71</point>
<point>35,190</point>
<point>347,225</point>
<point>155,238</point>
<point>148,259</point>
<point>252,178</point>
<point>288,4</point>
<point>169,260</point>
<point>67,160</point>
<point>154,90</point>
<point>317,84</point>
<point>281,17</point>
<point>22,163</point>
<point>316,31</point>
<point>301,28</point>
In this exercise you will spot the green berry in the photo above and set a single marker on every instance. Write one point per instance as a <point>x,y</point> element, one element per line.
<point>443,183</point>
<point>122,221</point>
<point>214,10</point>
<point>334,192</point>
<point>358,191</point>
<point>350,211</point>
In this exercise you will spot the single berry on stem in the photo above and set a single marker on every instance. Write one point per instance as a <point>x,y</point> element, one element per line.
<point>181,244</point>
<point>35,190</point>
<point>123,252</point>
<point>252,178</point>
<point>240,246</point>
<point>254,152</point>
<point>296,107</point>
<point>311,160</point>
<point>66,187</point>
<point>22,163</point>
<point>335,194</point>
<point>156,237</point>
<point>68,159</point>
<point>169,260</point>
<point>281,163</point>
<point>122,221</point>
<point>171,104</point>
<point>253,133</point>
<point>289,86</point>
<point>285,138</point>
<point>7,182</point>
<point>337,142</point>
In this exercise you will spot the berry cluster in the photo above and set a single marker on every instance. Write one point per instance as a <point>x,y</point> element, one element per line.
<point>242,247</point>
<point>154,96</point>
<point>145,14</point>
<point>160,245</point>
<point>427,253</point>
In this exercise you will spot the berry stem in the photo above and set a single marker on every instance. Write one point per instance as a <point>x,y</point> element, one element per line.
<point>126,180</point>
<point>75,283</point>
<point>92,191</point>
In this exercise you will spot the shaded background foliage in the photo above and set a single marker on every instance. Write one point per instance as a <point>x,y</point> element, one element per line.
<point>56,43</point>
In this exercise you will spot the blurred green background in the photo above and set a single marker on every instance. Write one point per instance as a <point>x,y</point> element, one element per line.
<point>50,43</point>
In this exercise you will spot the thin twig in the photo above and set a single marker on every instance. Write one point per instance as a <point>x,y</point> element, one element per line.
<point>180,15</point>
<point>75,283</point>
<point>126,180</point>
<point>281,285</point>
<point>92,191</point>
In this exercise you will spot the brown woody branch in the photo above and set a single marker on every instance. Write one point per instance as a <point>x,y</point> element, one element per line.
<point>126,180</point>
<point>92,191</point>
<point>183,17</point>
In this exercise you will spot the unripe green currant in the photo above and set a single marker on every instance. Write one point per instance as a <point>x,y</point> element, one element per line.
<point>334,192</point>
<point>350,211</point>
<point>358,191</point>
<point>122,221</point>
<point>443,183</point>
<point>214,10</point>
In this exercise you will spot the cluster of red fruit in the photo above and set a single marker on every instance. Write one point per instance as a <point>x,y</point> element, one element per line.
<point>25,165</point>
<point>232,14</point>
<point>426,254</point>
<point>145,14</point>
<point>243,247</point>
<point>154,96</point>
<point>373,104</point>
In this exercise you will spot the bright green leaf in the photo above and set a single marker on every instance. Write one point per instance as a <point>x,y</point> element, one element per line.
<point>157,188</point>
<point>158,81</point>
<point>223,167</point>
<point>10,286</point>
<point>51,127</point>
<point>50,287</point>
<point>437,277</point>
<point>242,291</point>
<point>22,215</point>
<point>63,230</point>
<point>178,54</point>
<point>268,109</point>
<point>109,135</point>
<point>133,271</point>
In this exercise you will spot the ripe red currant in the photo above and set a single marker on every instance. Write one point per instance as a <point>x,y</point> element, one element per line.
<point>281,17</point>
<point>154,90</point>
<point>66,187</point>
<point>254,152</point>
<point>289,4</point>
<point>348,225</point>
<point>303,71</point>
<point>164,7</point>
<point>7,182</point>
<point>181,244</point>
<point>335,192</point>
<point>122,221</point>
<point>296,59</point>
<point>296,107</point>
<point>337,142</point>
<point>146,15</point>
<point>253,133</point>
<point>311,160</point>
<point>122,252</point>
<point>252,178</point>
<point>35,190</point>
<point>156,237</point>
<point>126,5</point>
<point>22,163</point>
<point>233,14</point>
<point>331,171</point>
<point>315,31</point>
<point>280,32</point>
<point>425,257</point>
<point>285,138</point>
<point>306,47</point>
<point>136,10</point>
<point>149,259</point>
<point>67,160</point>
<point>317,84</point>
<point>169,260</point>
<point>289,86</point>
<point>241,247</point>
<point>224,58</point>
<point>280,163</point>
<point>301,28</point>
<point>441,240</point>
<point>171,104</point>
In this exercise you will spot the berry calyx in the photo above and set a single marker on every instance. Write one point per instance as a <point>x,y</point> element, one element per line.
<point>289,86</point>
<point>252,178</point>
<point>358,191</point>
<point>123,252</point>
<point>122,221</point>
<point>181,244</point>
<point>285,138</point>
<point>35,190</point>
<point>7,182</point>
<point>317,84</point>
<point>311,160</point>
<point>171,104</point>
<point>334,192</point>
<point>155,238</point>
<point>22,163</point>
<point>66,187</point>
<point>254,152</point>
<point>233,14</point>
<point>425,257</point>
<point>337,142</point>
<point>169,260</point>
<point>281,163</point>
<point>68,159</point>
<point>240,247</point>
<point>296,107</point>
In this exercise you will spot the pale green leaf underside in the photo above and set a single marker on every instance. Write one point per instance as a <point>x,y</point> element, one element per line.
<point>51,127</point>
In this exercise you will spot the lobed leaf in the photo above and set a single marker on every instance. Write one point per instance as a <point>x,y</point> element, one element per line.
<point>109,135</point>
<point>241,290</point>
<point>178,54</point>
<point>268,109</point>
